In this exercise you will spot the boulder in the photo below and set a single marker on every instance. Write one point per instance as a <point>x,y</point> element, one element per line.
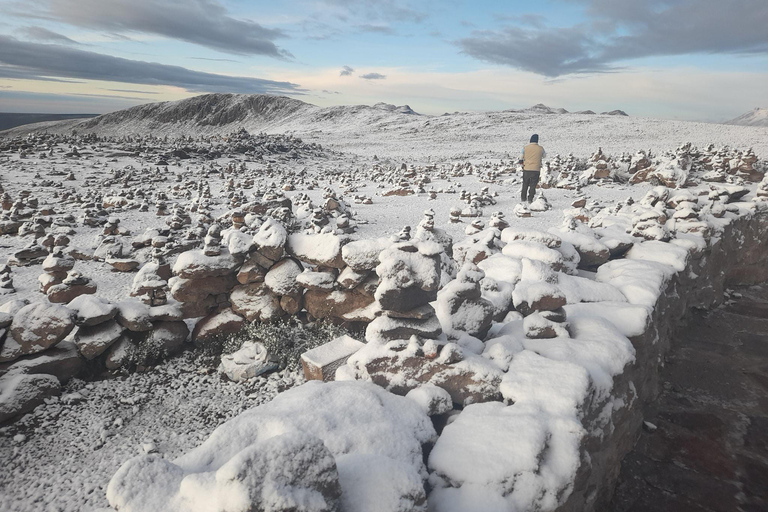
<point>133,315</point>
<point>386,328</point>
<point>432,399</point>
<point>93,341</point>
<point>323,249</point>
<point>64,292</point>
<point>281,278</point>
<point>194,290</point>
<point>23,392</point>
<point>346,305</point>
<point>538,326</point>
<point>350,278</point>
<point>270,239</point>
<point>121,354</point>
<point>537,296</point>
<point>91,310</point>
<point>167,338</point>
<point>195,264</point>
<point>251,272</point>
<point>219,323</point>
<point>292,304</point>
<point>256,302</point>
<point>35,328</point>
<point>363,255</point>
<point>311,280</point>
<point>62,361</point>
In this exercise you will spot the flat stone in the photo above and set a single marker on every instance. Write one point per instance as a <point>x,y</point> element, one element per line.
<point>62,361</point>
<point>91,310</point>
<point>93,341</point>
<point>133,315</point>
<point>217,324</point>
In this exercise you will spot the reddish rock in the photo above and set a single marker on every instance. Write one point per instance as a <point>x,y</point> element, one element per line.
<point>217,324</point>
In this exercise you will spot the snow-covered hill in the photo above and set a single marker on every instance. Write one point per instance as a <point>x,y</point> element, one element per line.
<point>399,132</point>
<point>756,117</point>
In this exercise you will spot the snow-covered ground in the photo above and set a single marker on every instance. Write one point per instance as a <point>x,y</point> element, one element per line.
<point>61,456</point>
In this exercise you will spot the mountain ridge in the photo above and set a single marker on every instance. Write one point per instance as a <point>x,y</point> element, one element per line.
<point>755,117</point>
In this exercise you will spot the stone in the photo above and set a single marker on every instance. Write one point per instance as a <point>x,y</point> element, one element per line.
<point>345,305</point>
<point>311,280</point>
<point>292,304</point>
<point>60,293</point>
<point>385,328</point>
<point>251,272</point>
<point>321,249</point>
<point>419,313</point>
<point>537,296</point>
<point>5,319</point>
<point>404,299</point>
<point>270,239</point>
<point>250,361</point>
<point>194,290</point>
<point>350,278</point>
<point>217,324</point>
<point>432,399</point>
<point>363,255</point>
<point>537,326</point>
<point>321,363</point>
<point>133,315</point>
<point>93,341</point>
<point>62,361</point>
<point>123,264</point>
<point>22,393</point>
<point>195,264</point>
<point>91,310</point>
<point>58,263</point>
<point>256,303</point>
<point>166,313</point>
<point>35,328</point>
<point>281,278</point>
<point>167,338</point>
<point>121,353</point>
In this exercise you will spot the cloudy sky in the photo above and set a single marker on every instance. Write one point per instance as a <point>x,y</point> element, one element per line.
<point>678,59</point>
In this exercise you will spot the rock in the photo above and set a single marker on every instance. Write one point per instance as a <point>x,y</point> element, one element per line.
<point>251,360</point>
<point>323,249</point>
<point>35,328</point>
<point>22,393</point>
<point>62,361</point>
<point>167,338</point>
<point>90,310</point>
<point>13,306</point>
<point>321,363</point>
<point>346,305</point>
<point>194,290</point>
<point>350,278</point>
<point>121,354</point>
<point>61,263</point>
<point>460,307</point>
<point>405,370</point>
<point>420,313</point>
<point>93,341</point>
<point>270,240</point>
<point>251,271</point>
<point>281,278</point>
<point>195,264</point>
<point>217,324</point>
<point>316,280</point>
<point>133,315</point>
<point>551,240</point>
<point>535,251</point>
<point>432,399</point>
<point>537,296</point>
<point>537,326</point>
<point>410,275</point>
<point>123,264</point>
<point>166,313</point>
<point>385,328</point>
<point>292,304</point>
<point>256,302</point>
<point>60,293</point>
<point>363,255</point>
<point>5,319</point>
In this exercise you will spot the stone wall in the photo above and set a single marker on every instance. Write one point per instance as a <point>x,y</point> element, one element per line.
<point>739,257</point>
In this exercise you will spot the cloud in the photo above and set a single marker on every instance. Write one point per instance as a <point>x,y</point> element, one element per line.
<point>202,22</point>
<point>377,10</point>
<point>373,76</point>
<point>377,29</point>
<point>346,71</point>
<point>38,61</point>
<point>134,91</point>
<point>43,34</point>
<point>619,30</point>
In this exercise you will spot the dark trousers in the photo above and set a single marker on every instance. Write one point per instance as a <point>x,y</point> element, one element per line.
<point>530,180</point>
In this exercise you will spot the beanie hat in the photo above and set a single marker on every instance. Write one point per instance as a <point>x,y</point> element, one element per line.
<point>535,138</point>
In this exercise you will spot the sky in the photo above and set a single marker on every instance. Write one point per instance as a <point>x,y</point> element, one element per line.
<point>703,60</point>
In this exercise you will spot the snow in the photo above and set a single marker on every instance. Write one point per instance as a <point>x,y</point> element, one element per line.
<point>640,281</point>
<point>322,249</point>
<point>339,348</point>
<point>660,252</point>
<point>376,424</point>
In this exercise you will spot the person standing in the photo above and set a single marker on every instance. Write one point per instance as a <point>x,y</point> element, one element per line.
<point>532,157</point>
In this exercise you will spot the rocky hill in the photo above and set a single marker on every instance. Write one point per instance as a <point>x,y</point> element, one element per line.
<point>756,117</point>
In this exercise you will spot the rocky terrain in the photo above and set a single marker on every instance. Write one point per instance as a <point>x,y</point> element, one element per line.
<point>134,251</point>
